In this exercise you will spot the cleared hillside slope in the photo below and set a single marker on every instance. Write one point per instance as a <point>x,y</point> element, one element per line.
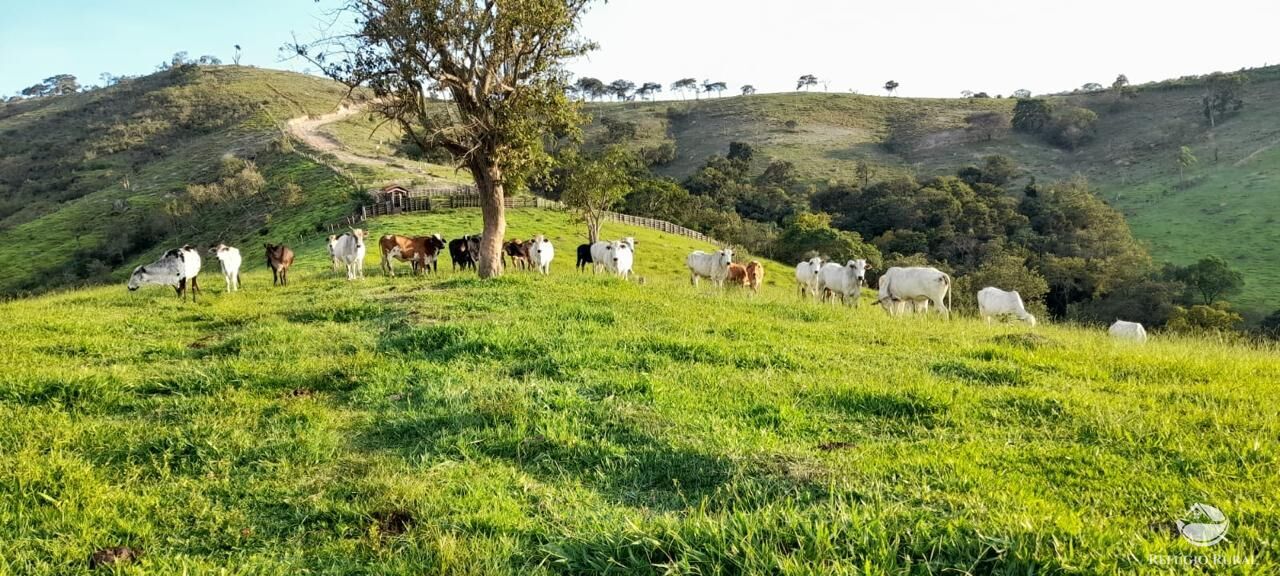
<point>577,424</point>
<point>92,183</point>
<point>1226,206</point>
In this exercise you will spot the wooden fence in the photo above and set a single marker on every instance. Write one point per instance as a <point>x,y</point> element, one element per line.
<point>449,201</point>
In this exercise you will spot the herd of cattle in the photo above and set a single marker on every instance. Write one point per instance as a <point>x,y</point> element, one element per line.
<point>900,288</point>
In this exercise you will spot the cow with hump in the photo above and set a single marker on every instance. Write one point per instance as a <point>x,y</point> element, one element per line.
<point>807,276</point>
<point>615,257</point>
<point>996,303</point>
<point>230,260</point>
<point>713,266</point>
<point>843,281</point>
<point>900,286</point>
<point>1125,330</point>
<point>351,251</point>
<point>175,268</point>
<point>541,252</point>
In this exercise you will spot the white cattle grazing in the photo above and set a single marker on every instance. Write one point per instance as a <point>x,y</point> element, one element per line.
<point>230,259</point>
<point>994,303</point>
<point>898,285</point>
<point>350,249</point>
<point>617,256</point>
<point>807,276</point>
<point>333,253</point>
<point>845,281</point>
<point>540,254</point>
<point>713,266</point>
<point>175,268</point>
<point>1128,331</point>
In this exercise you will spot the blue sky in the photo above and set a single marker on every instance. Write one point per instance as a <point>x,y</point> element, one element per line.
<point>931,47</point>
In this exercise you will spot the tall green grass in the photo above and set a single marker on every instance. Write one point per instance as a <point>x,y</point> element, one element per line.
<point>579,424</point>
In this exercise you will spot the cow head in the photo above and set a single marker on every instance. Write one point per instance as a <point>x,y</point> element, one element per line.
<point>613,249</point>
<point>815,265</point>
<point>859,269</point>
<point>725,256</point>
<point>138,277</point>
<point>358,235</point>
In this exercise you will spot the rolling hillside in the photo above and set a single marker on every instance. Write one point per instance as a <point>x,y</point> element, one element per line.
<point>1226,206</point>
<point>92,183</point>
<point>577,424</point>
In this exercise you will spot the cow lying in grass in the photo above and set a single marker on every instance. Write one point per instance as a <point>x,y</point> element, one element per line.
<point>176,268</point>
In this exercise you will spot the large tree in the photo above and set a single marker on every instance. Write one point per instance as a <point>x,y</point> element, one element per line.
<point>500,63</point>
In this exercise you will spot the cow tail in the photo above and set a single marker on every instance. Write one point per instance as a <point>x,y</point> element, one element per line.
<point>950,284</point>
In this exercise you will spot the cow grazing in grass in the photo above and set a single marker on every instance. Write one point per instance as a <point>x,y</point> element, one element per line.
<point>714,266</point>
<point>755,275</point>
<point>1132,331</point>
<point>807,276</point>
<point>540,254</point>
<point>465,251</point>
<point>333,253</point>
<point>230,260</point>
<point>175,268</point>
<point>351,251</point>
<point>517,252</point>
<point>995,303</point>
<point>899,285</point>
<point>279,259</point>
<point>843,281</point>
<point>420,252</point>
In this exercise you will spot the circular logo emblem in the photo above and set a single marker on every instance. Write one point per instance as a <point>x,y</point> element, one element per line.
<point>1203,525</point>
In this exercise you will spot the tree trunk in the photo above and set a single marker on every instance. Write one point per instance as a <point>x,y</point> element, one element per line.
<point>489,185</point>
<point>593,228</point>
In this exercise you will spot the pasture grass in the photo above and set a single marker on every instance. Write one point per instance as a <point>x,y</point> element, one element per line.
<point>578,424</point>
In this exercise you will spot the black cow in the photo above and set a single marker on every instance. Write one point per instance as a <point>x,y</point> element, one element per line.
<point>465,251</point>
<point>584,257</point>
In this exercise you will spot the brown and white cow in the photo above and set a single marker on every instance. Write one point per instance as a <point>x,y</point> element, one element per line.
<point>518,252</point>
<point>736,275</point>
<point>420,251</point>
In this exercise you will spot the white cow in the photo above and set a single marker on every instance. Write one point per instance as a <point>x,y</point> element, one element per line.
<point>845,281</point>
<point>1128,331</point>
<point>333,253</point>
<point>350,249</point>
<point>175,268</point>
<point>714,266</point>
<point>807,276</point>
<point>916,283</point>
<point>602,255</point>
<point>540,254</point>
<point>994,303</point>
<point>230,259</point>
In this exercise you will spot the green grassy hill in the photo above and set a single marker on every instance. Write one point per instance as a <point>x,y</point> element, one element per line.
<point>92,183</point>
<point>1226,206</point>
<point>577,424</point>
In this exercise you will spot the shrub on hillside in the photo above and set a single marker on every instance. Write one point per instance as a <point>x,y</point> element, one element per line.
<point>811,233</point>
<point>1201,319</point>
